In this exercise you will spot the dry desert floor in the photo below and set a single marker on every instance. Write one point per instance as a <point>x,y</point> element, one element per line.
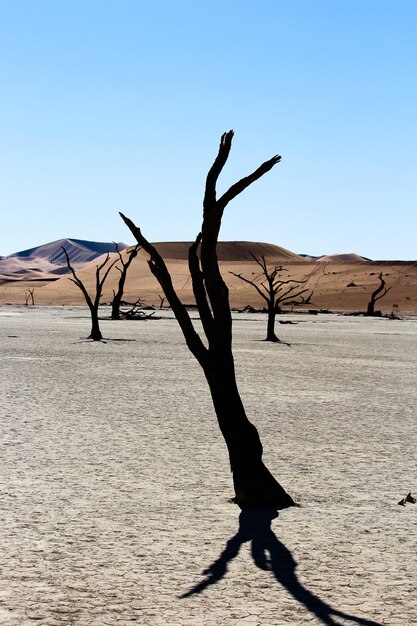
<point>115,487</point>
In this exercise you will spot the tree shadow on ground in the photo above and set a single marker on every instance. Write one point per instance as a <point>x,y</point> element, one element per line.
<point>102,340</point>
<point>270,554</point>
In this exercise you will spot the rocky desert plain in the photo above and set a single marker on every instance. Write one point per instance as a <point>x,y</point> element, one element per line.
<point>115,484</point>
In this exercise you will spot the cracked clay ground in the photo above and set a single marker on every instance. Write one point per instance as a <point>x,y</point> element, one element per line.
<point>114,480</point>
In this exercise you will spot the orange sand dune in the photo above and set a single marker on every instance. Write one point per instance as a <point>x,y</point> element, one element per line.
<point>231,251</point>
<point>337,285</point>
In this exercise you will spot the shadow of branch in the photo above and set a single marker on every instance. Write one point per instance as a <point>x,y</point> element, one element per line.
<point>271,554</point>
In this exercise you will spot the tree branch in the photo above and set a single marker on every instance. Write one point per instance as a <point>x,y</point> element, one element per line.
<point>100,282</point>
<point>131,255</point>
<point>379,289</point>
<point>386,290</point>
<point>215,170</point>
<point>216,288</point>
<point>289,295</point>
<point>199,289</point>
<point>77,281</point>
<point>242,184</point>
<point>160,271</point>
<point>250,282</point>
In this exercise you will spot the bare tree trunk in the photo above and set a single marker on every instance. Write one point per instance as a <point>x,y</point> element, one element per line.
<point>95,334</point>
<point>115,306</point>
<point>270,331</point>
<point>253,483</point>
<point>370,310</point>
<point>117,297</point>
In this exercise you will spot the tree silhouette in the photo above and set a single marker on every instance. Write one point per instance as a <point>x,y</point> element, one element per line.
<point>376,295</point>
<point>254,484</point>
<point>30,295</point>
<point>93,303</point>
<point>276,291</point>
<point>117,296</point>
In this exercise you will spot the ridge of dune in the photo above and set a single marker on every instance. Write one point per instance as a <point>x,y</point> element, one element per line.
<point>342,258</point>
<point>47,261</point>
<point>80,250</point>
<point>230,251</point>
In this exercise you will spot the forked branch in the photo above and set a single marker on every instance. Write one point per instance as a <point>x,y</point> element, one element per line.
<point>77,281</point>
<point>216,289</point>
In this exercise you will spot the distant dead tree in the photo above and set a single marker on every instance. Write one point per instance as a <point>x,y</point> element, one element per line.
<point>161,301</point>
<point>376,295</point>
<point>136,311</point>
<point>253,483</point>
<point>117,296</point>
<point>29,295</point>
<point>276,291</point>
<point>93,303</point>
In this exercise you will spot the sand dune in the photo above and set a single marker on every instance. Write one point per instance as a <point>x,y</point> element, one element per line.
<point>231,251</point>
<point>344,284</point>
<point>80,251</point>
<point>47,261</point>
<point>342,258</point>
<point>16,268</point>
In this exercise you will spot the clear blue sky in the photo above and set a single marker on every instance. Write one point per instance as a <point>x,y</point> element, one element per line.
<point>109,105</point>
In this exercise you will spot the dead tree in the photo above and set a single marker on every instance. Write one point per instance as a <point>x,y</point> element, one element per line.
<point>136,312</point>
<point>253,483</point>
<point>276,291</point>
<point>29,295</point>
<point>117,296</point>
<point>93,303</point>
<point>376,295</point>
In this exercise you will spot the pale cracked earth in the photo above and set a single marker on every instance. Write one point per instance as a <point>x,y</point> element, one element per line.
<point>114,480</point>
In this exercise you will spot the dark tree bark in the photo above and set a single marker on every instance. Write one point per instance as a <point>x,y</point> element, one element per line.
<point>95,334</point>
<point>270,327</point>
<point>376,295</point>
<point>253,483</point>
<point>92,303</point>
<point>117,296</point>
<point>136,313</point>
<point>276,291</point>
